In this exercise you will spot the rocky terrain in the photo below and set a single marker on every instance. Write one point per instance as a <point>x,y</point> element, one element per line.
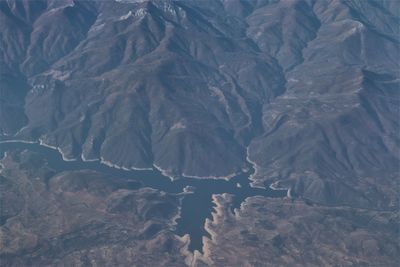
<point>269,232</point>
<point>82,218</point>
<point>304,91</point>
<point>194,86</point>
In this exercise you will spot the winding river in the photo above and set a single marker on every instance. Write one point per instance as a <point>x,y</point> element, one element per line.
<point>196,206</point>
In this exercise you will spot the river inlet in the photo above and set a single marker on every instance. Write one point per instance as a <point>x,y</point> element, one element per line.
<point>196,205</point>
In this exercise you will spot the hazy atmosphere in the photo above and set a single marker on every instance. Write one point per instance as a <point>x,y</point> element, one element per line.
<point>199,133</point>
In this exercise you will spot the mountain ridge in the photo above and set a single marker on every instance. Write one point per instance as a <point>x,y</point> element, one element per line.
<point>190,86</point>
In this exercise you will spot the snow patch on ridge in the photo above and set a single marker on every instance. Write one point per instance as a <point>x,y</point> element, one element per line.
<point>179,125</point>
<point>126,16</point>
<point>139,13</point>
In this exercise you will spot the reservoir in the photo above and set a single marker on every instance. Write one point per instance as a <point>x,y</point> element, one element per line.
<point>196,206</point>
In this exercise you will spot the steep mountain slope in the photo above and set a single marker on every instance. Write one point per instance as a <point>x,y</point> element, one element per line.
<point>335,130</point>
<point>306,91</point>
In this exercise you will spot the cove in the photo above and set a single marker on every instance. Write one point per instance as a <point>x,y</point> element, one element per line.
<point>196,206</point>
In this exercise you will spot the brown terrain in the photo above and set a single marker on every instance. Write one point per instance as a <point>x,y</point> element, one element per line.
<point>272,232</point>
<point>305,92</point>
<point>82,218</point>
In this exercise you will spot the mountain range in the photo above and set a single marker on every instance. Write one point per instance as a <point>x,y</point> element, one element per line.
<point>305,92</point>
